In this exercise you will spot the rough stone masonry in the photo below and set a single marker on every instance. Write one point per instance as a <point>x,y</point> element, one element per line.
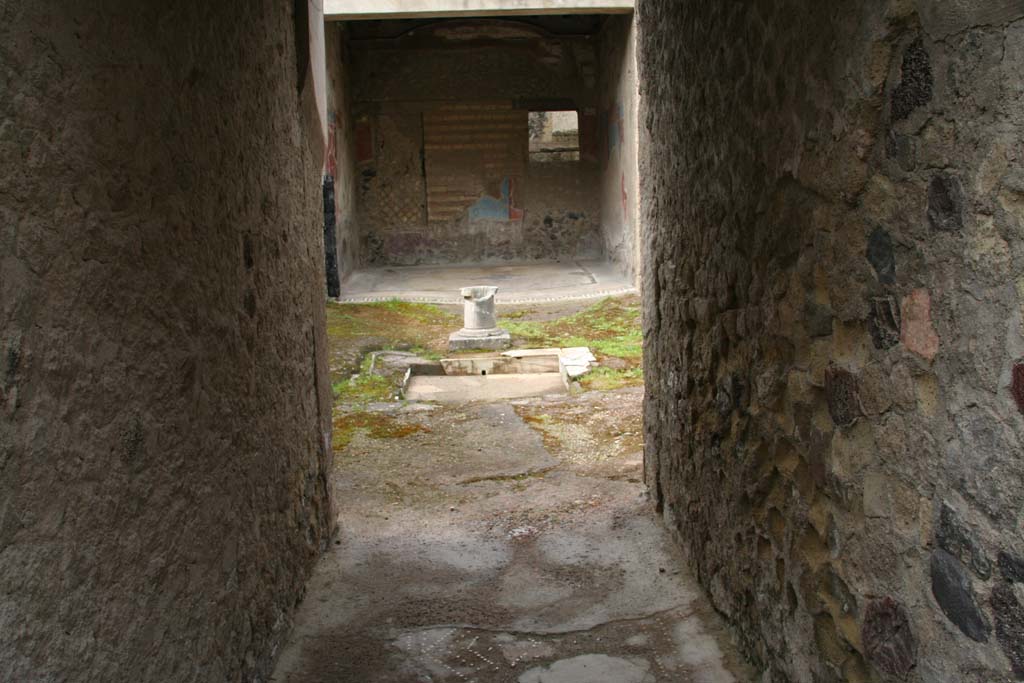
<point>164,437</point>
<point>834,202</point>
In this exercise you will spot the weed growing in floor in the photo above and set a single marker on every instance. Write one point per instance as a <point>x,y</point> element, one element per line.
<point>610,328</point>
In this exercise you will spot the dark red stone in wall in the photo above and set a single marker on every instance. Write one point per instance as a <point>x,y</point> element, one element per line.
<point>364,142</point>
<point>842,394</point>
<point>1017,386</point>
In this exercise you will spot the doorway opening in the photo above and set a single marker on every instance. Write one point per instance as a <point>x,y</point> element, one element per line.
<point>484,142</point>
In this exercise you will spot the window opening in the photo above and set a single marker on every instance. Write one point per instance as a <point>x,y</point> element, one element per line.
<point>554,136</point>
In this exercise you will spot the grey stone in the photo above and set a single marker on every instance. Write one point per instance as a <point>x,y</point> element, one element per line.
<point>941,19</point>
<point>889,643</point>
<point>589,669</point>
<point>819,320</point>
<point>729,394</point>
<point>884,322</point>
<point>945,203</point>
<point>951,586</point>
<point>386,363</point>
<point>1011,567</point>
<point>495,341</point>
<point>1009,615</point>
<point>956,539</point>
<point>880,255</point>
<point>841,392</point>
<point>902,148</point>
<point>916,82</point>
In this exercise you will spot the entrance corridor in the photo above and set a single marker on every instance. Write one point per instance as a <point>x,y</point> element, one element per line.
<point>502,541</point>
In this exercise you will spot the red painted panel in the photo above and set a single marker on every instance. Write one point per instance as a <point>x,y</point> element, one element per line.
<point>364,142</point>
<point>589,137</point>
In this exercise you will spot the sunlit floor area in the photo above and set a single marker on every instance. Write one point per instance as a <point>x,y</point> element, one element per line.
<point>518,283</point>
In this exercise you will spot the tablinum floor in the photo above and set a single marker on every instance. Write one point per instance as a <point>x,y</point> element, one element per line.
<point>517,283</point>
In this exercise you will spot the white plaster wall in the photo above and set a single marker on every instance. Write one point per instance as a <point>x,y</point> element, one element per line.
<point>618,119</point>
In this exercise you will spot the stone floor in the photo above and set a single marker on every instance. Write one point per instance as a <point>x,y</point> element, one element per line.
<point>535,282</point>
<point>509,541</point>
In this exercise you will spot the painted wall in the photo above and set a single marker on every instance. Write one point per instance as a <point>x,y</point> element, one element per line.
<point>618,111</point>
<point>340,164</point>
<point>165,429</point>
<point>441,140</point>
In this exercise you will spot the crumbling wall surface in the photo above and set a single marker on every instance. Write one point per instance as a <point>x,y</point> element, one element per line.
<point>617,120</point>
<point>834,290</point>
<point>164,440</point>
<point>442,145</point>
<point>562,214</point>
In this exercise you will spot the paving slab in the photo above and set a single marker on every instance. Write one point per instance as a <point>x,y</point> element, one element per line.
<point>461,388</point>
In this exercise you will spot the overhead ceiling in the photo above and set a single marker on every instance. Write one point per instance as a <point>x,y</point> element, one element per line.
<point>555,24</point>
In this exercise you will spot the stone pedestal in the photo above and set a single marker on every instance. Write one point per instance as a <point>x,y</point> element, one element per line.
<point>480,324</point>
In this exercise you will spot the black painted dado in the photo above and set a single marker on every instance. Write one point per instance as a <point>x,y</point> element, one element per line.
<point>331,239</point>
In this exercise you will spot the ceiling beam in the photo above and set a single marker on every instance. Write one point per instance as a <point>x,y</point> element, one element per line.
<point>354,10</point>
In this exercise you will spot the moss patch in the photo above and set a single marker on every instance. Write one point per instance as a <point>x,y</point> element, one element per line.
<point>376,425</point>
<point>610,328</point>
<point>607,379</point>
<point>355,329</point>
<point>363,389</point>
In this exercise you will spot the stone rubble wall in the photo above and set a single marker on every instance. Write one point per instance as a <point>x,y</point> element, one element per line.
<point>164,445</point>
<point>834,206</point>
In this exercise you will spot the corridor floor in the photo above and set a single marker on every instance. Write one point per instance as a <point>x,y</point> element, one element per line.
<point>501,542</point>
<point>519,283</point>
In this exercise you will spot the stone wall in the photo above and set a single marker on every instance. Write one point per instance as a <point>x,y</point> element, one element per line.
<point>441,144</point>
<point>617,116</point>
<point>164,445</point>
<point>834,287</point>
